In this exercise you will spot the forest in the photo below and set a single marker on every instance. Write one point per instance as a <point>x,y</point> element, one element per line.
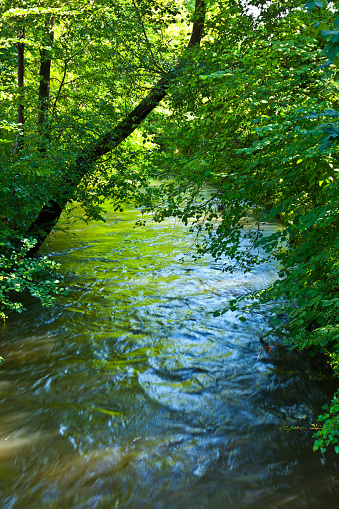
<point>209,112</point>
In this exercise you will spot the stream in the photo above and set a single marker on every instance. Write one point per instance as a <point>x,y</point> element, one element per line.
<point>128,393</point>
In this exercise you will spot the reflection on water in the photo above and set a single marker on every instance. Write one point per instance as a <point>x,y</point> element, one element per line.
<point>129,393</point>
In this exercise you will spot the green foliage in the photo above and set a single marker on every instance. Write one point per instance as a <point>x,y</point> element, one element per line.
<point>248,134</point>
<point>18,273</point>
<point>251,134</point>
<point>329,432</point>
<point>102,58</point>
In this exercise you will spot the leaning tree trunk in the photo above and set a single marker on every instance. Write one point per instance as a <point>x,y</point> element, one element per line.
<point>51,211</point>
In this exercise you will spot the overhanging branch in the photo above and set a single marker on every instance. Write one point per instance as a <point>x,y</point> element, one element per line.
<point>51,211</point>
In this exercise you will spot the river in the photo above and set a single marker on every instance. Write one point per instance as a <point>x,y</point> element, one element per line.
<point>130,394</point>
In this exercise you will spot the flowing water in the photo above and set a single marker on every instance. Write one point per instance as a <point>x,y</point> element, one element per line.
<point>130,394</point>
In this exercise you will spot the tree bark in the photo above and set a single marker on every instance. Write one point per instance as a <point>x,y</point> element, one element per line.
<point>45,76</point>
<point>51,211</point>
<point>21,84</point>
<point>199,21</point>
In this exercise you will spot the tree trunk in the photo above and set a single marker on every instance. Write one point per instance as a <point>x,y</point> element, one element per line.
<point>21,84</point>
<point>50,213</point>
<point>199,21</point>
<point>45,76</point>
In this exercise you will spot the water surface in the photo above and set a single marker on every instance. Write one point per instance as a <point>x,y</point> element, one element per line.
<point>129,393</point>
